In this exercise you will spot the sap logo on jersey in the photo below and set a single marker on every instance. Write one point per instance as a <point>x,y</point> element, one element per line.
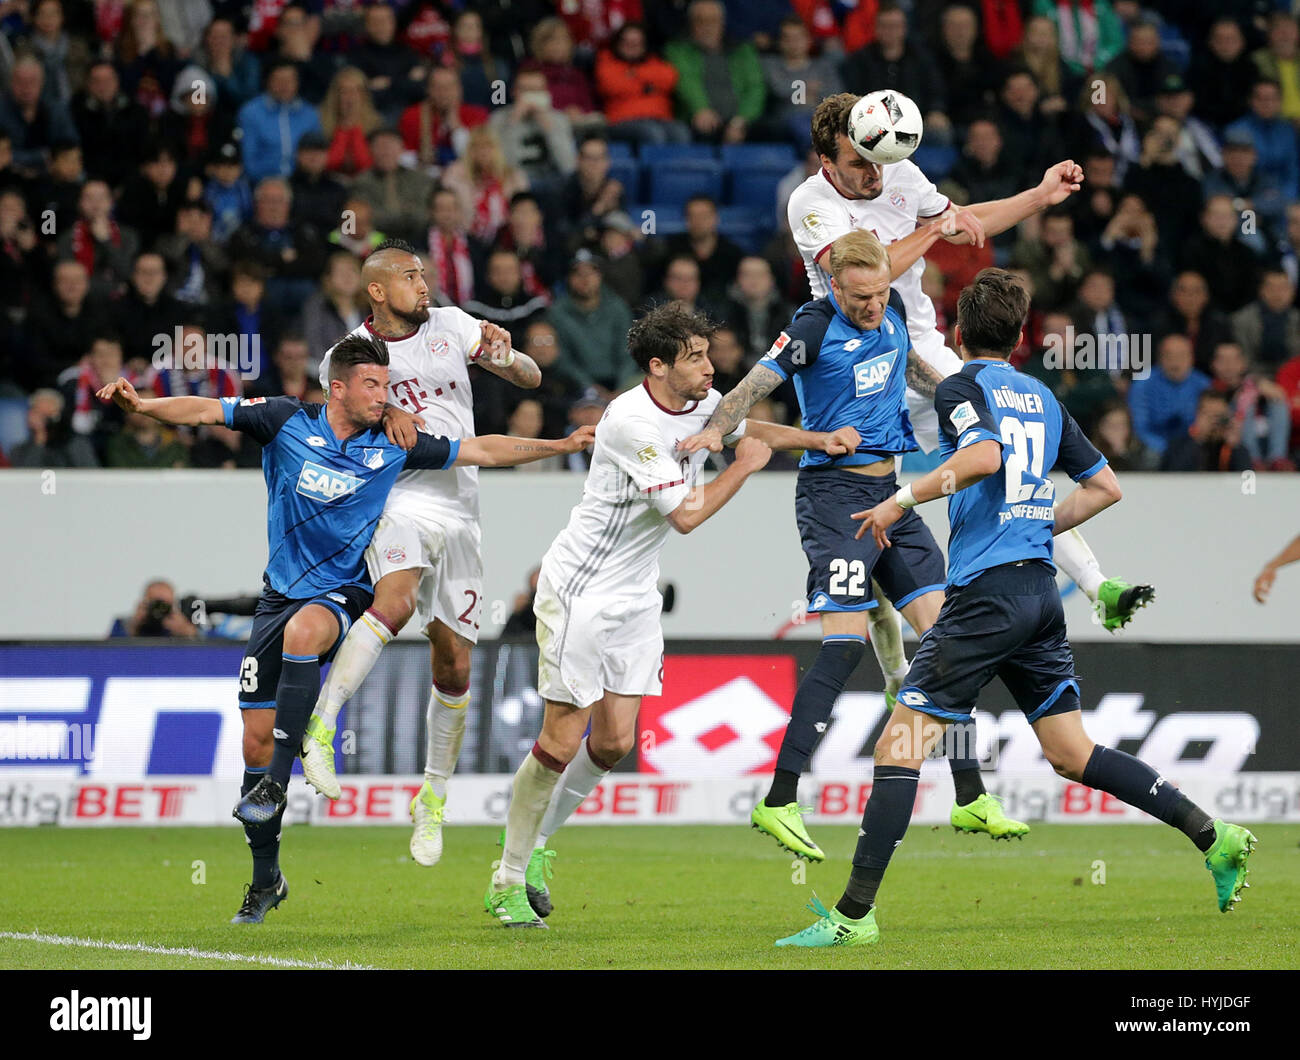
<point>322,484</point>
<point>870,377</point>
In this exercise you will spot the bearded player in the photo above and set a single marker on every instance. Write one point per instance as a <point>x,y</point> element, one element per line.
<point>425,554</point>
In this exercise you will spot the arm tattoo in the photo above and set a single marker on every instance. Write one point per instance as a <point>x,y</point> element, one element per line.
<point>760,382</point>
<point>523,372</point>
<point>920,376</point>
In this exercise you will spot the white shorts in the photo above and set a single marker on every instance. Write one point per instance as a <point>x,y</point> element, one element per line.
<point>450,552</point>
<point>920,410</point>
<point>595,644</point>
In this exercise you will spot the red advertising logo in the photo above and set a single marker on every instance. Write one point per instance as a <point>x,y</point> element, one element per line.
<point>719,715</point>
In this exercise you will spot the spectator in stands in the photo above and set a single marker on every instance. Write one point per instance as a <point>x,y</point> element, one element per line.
<point>155,615</point>
<point>728,359</point>
<point>1096,313</point>
<point>347,118</point>
<point>1141,69</point>
<point>541,257</point>
<point>1171,193</point>
<point>152,197</point>
<point>1103,120</point>
<point>88,418</point>
<point>1222,74</point>
<point>454,255</point>
<point>1131,244</point>
<point>338,307</point>
<point>1039,54</point>
<point>1189,313</point>
<point>113,129</point>
<point>1031,133</point>
<point>1218,253</point>
<point>1198,147</point>
<point>274,122</point>
<point>551,46</point>
<point>1269,327</point>
<point>1089,31</point>
<point>556,393</point>
<point>985,172</point>
<point>681,283</point>
<point>194,126</point>
<point>1055,260</point>
<point>144,443</point>
<point>795,81</point>
<point>49,442</point>
<point>637,88</point>
<point>296,34</point>
<point>103,246</point>
<point>485,183</point>
<point>56,197</point>
<point>233,69</point>
<point>971,75</point>
<point>437,128</point>
<point>21,258</point>
<point>719,85</point>
<point>1114,438</point>
<point>317,196</point>
<point>187,366</point>
<point>1094,206</point>
<point>33,122</point>
<point>292,253</point>
<point>590,192</point>
<point>717,256</point>
<point>1287,250</point>
<point>894,61</point>
<point>592,326</point>
<point>63,325</point>
<point>1250,188</point>
<point>65,57</point>
<point>395,74</point>
<point>146,58</point>
<point>356,232</point>
<point>479,68</point>
<point>535,137</point>
<point>228,192</point>
<point>248,315</point>
<point>1279,60</point>
<point>398,196</point>
<point>195,263</point>
<point>1164,403</point>
<point>1211,443</point>
<point>1274,136</point>
<point>1258,405</point>
<point>221,447</point>
<point>618,242</point>
<point>755,309</point>
<point>502,298</point>
<point>291,369</point>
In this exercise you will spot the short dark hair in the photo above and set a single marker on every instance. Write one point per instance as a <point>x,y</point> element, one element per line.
<point>829,120</point>
<point>396,244</point>
<point>354,350</point>
<point>991,312</point>
<point>664,333</point>
<point>524,196</point>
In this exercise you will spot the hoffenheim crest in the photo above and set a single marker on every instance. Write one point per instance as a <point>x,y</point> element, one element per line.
<point>372,458</point>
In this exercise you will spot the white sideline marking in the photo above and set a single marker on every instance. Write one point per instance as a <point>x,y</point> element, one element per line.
<point>173,951</point>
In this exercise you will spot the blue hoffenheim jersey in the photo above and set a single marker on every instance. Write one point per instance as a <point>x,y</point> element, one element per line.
<point>845,377</point>
<point>1008,516</point>
<point>323,495</point>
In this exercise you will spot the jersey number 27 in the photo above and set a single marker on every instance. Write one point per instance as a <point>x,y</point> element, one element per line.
<point>1027,443</point>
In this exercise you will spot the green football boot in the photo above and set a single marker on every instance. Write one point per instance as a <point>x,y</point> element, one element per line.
<point>318,758</point>
<point>785,825</point>
<point>1226,861</point>
<point>535,876</point>
<point>1117,602</point>
<point>511,907</point>
<point>835,929</point>
<point>985,815</point>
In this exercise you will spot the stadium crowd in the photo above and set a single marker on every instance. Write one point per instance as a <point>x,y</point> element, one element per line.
<point>173,172</point>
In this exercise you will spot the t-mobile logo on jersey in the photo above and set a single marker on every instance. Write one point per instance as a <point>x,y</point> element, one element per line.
<point>409,394</point>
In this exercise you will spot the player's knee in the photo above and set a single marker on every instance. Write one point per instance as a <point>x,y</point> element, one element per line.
<point>451,673</point>
<point>395,605</point>
<point>1067,762</point>
<point>258,746</point>
<point>559,745</point>
<point>612,749</point>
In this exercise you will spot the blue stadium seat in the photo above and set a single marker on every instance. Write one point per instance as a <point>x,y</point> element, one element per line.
<point>13,422</point>
<point>935,161</point>
<point>677,181</point>
<point>756,191</point>
<point>654,154</point>
<point>746,226</point>
<point>668,217</point>
<point>767,156</point>
<point>627,171</point>
<point>620,149</point>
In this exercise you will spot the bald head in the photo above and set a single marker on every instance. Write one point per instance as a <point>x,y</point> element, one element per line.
<point>393,276</point>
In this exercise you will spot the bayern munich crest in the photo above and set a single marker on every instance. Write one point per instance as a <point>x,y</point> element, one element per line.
<point>896,197</point>
<point>396,554</point>
<point>439,347</point>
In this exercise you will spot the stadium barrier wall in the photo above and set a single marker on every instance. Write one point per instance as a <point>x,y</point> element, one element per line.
<point>137,733</point>
<point>82,543</point>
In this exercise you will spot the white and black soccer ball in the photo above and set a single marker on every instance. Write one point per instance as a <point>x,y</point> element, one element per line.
<point>885,126</point>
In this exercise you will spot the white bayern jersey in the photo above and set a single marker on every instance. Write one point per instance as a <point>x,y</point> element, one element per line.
<point>819,215</point>
<point>612,542</point>
<point>428,376</point>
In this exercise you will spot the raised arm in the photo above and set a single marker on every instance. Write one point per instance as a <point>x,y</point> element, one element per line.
<point>921,376</point>
<point>504,361</point>
<point>760,382</point>
<point>503,450</point>
<point>177,411</point>
<point>704,501</point>
<point>778,436</point>
<point>997,215</point>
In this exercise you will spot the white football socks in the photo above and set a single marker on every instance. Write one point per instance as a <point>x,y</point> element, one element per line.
<point>887,641</point>
<point>530,795</point>
<point>446,732</point>
<point>1072,554</point>
<point>356,657</point>
<point>579,781</point>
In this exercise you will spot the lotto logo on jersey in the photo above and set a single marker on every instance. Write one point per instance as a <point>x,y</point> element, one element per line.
<point>870,377</point>
<point>322,484</point>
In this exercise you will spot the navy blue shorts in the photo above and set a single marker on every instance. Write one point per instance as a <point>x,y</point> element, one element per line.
<point>840,569</point>
<point>259,673</point>
<point>1007,623</point>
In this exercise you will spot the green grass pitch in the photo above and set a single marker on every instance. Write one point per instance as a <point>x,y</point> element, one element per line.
<point>647,897</point>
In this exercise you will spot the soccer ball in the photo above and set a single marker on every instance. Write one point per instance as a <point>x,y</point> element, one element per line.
<point>885,126</point>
